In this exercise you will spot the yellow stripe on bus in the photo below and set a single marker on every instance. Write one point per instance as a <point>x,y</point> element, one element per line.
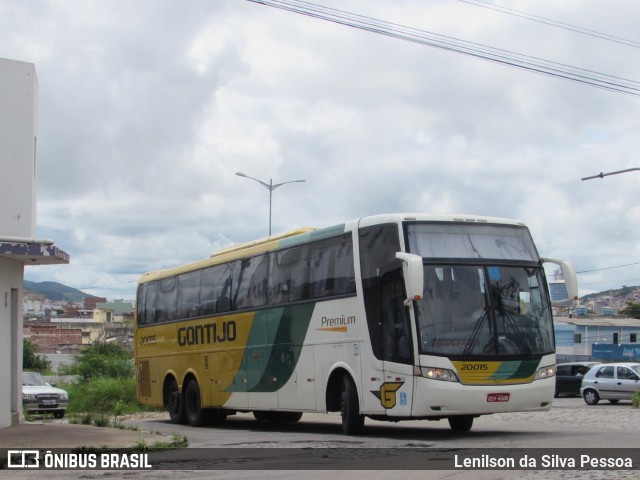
<point>343,329</point>
<point>495,373</point>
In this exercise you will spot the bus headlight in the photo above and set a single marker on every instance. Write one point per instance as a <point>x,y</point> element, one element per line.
<point>441,374</point>
<point>545,372</point>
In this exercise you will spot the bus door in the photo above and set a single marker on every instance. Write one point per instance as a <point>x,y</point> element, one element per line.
<point>396,391</point>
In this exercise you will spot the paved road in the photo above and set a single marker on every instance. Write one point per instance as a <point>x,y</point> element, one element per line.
<point>569,424</point>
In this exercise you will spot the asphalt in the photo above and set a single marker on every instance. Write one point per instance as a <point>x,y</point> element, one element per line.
<point>63,435</point>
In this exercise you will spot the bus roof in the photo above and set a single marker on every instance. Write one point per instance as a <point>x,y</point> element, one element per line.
<point>255,247</point>
<point>304,235</point>
<point>435,217</point>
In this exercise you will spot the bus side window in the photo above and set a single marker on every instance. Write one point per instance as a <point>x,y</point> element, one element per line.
<point>189,294</point>
<point>344,281</point>
<point>299,281</point>
<point>288,277</point>
<point>142,317</point>
<point>320,270</point>
<point>378,247</point>
<point>257,294</point>
<point>215,289</point>
<point>149,315</point>
<point>166,303</point>
<point>396,333</point>
<point>223,302</point>
<point>252,282</point>
<point>332,270</point>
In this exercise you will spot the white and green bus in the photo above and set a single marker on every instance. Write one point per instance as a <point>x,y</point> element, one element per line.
<point>391,317</point>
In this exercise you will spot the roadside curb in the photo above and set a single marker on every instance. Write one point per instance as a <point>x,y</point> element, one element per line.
<point>60,435</point>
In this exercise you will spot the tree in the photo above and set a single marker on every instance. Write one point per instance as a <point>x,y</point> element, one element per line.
<point>631,310</point>
<point>31,360</point>
<point>101,360</point>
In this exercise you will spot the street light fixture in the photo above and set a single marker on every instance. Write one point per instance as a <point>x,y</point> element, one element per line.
<point>600,175</point>
<point>271,187</point>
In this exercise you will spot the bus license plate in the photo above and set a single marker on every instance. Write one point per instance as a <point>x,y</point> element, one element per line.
<point>498,397</point>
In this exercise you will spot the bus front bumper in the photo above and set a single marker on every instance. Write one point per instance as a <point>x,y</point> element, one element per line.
<point>438,398</point>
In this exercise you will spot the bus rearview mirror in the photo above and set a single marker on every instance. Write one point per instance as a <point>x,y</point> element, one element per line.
<point>569,277</point>
<point>413,275</point>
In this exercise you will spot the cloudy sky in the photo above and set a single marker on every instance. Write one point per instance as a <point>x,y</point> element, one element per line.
<point>148,108</point>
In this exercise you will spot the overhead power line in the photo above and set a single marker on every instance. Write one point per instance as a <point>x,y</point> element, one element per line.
<point>452,44</point>
<point>554,23</point>
<point>609,268</point>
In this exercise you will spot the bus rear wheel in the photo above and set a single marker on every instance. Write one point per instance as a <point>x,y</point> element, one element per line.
<point>461,423</point>
<point>175,404</point>
<point>192,405</point>
<point>352,421</point>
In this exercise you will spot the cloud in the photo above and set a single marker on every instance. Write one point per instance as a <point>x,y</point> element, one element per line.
<point>148,109</point>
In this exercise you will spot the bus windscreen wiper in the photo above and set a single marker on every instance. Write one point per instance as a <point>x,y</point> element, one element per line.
<point>475,334</point>
<point>517,331</point>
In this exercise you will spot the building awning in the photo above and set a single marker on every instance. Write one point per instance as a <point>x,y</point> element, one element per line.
<point>32,252</point>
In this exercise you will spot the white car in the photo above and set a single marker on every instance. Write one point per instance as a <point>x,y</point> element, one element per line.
<point>40,397</point>
<point>611,381</point>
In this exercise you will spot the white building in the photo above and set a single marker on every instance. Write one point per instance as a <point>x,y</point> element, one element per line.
<point>18,245</point>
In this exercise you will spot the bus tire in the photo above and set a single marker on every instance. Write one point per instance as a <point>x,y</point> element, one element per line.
<point>175,403</point>
<point>196,415</point>
<point>293,417</point>
<point>352,421</point>
<point>461,423</point>
<point>261,416</point>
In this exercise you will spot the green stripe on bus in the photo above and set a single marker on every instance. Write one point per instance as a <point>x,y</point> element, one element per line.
<point>515,369</point>
<point>312,236</point>
<point>273,348</point>
<point>527,368</point>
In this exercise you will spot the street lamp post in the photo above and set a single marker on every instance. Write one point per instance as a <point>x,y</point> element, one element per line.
<point>600,175</point>
<point>271,187</point>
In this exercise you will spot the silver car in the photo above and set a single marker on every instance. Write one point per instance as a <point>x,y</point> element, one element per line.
<point>611,381</point>
<point>40,397</point>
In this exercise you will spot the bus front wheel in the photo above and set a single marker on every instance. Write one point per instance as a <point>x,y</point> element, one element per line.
<point>461,423</point>
<point>174,403</point>
<point>352,421</point>
<point>192,405</point>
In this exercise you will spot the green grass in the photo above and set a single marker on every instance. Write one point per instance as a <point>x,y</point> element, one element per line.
<point>106,389</point>
<point>114,396</point>
<point>177,441</point>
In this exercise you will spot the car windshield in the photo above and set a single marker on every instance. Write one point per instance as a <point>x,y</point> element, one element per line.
<point>484,310</point>
<point>33,379</point>
<point>635,368</point>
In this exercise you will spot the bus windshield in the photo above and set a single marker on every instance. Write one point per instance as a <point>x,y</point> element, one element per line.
<point>473,241</point>
<point>484,311</point>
